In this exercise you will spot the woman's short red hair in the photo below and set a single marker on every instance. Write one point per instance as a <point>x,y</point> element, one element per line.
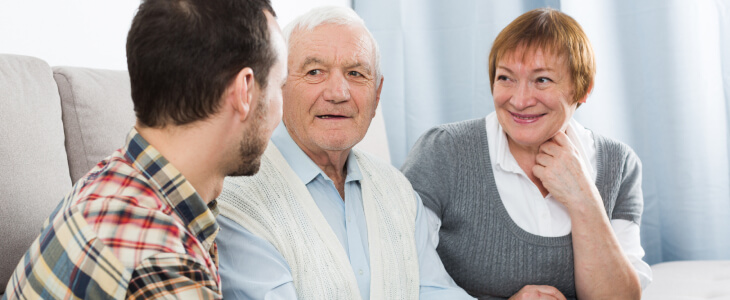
<point>555,33</point>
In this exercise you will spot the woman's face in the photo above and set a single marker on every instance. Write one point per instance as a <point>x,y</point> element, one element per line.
<point>533,96</point>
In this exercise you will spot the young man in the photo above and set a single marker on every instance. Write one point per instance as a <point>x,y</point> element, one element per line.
<point>206,81</point>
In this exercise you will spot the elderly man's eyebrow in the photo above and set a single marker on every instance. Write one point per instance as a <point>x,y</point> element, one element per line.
<point>366,67</point>
<point>311,61</point>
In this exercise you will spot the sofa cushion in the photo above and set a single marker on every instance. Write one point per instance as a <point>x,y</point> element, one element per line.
<point>35,173</point>
<point>689,280</point>
<point>97,114</point>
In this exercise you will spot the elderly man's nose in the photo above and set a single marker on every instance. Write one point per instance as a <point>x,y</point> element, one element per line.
<point>523,97</point>
<point>338,89</point>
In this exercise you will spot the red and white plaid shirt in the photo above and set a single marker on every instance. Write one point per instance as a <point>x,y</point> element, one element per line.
<point>133,227</point>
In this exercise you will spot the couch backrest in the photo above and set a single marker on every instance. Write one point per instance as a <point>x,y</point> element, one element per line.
<point>34,172</point>
<point>97,114</point>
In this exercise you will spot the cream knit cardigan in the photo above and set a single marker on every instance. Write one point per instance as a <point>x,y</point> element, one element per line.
<point>275,205</point>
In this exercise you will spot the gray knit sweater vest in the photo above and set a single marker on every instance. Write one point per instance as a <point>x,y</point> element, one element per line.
<point>482,248</point>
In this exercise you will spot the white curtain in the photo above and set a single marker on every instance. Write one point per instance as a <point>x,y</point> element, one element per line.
<point>663,87</point>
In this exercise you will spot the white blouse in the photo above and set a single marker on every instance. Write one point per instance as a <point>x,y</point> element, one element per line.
<point>545,216</point>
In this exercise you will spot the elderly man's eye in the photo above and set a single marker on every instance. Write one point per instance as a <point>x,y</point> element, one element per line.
<point>354,73</point>
<point>314,72</point>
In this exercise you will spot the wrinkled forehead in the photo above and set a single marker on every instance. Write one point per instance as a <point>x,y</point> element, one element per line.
<point>332,43</point>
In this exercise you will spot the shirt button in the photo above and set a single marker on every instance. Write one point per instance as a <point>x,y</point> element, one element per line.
<point>360,271</point>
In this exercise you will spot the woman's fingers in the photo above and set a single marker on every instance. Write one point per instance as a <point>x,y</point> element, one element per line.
<point>529,292</point>
<point>550,147</point>
<point>562,139</point>
<point>543,159</point>
<point>552,291</point>
<point>539,172</point>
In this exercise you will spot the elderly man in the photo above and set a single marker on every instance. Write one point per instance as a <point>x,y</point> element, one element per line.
<point>321,220</point>
<point>206,78</point>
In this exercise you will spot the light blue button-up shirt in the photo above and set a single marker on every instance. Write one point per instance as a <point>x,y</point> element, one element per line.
<point>251,268</point>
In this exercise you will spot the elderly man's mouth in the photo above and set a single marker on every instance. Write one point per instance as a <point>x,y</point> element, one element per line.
<point>331,117</point>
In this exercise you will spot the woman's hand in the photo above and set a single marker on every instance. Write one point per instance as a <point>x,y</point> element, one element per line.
<point>562,173</point>
<point>599,262</point>
<point>538,292</point>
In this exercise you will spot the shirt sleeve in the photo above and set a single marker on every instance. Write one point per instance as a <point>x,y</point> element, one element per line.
<point>250,266</point>
<point>434,225</point>
<point>626,217</point>
<point>435,281</point>
<point>172,276</point>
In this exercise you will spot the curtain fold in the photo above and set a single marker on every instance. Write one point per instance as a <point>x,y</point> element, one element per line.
<point>662,87</point>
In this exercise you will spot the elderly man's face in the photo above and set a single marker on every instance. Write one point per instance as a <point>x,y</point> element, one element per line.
<point>331,93</point>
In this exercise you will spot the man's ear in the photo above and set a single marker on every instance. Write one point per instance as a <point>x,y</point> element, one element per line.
<point>244,91</point>
<point>377,94</point>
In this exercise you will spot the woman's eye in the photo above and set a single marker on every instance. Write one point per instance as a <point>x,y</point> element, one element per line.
<point>501,77</point>
<point>543,80</point>
<point>314,72</point>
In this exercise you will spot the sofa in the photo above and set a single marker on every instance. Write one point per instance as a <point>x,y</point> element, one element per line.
<point>56,123</point>
<point>690,280</point>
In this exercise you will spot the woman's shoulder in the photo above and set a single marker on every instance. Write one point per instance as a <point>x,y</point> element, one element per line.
<point>616,159</point>
<point>612,147</point>
<point>470,129</point>
<point>447,143</point>
<point>464,126</point>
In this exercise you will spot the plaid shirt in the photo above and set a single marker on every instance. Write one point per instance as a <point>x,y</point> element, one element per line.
<point>131,228</point>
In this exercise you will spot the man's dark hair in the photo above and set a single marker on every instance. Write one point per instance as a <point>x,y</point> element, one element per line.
<point>182,54</point>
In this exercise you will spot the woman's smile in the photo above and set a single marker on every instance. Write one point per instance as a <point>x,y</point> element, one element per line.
<point>526,118</point>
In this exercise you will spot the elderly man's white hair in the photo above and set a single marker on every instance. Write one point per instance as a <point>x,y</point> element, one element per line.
<point>332,15</point>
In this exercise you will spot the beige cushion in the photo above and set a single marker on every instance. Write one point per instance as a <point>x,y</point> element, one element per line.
<point>97,114</point>
<point>35,173</point>
<point>689,280</point>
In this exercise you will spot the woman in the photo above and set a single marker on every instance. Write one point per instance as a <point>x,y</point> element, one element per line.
<point>530,203</point>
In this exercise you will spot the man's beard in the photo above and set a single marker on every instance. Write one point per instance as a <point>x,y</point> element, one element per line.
<point>253,143</point>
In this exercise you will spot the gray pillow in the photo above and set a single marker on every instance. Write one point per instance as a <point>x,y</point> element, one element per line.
<point>34,173</point>
<point>97,114</point>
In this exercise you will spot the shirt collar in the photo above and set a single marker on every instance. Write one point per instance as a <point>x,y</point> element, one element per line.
<point>504,159</point>
<point>199,218</point>
<point>302,165</point>
<point>580,136</point>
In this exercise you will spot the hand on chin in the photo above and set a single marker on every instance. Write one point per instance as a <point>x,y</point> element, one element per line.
<point>559,168</point>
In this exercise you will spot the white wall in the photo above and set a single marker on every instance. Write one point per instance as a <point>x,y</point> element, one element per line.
<point>72,32</point>
<point>90,33</point>
<point>287,10</point>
